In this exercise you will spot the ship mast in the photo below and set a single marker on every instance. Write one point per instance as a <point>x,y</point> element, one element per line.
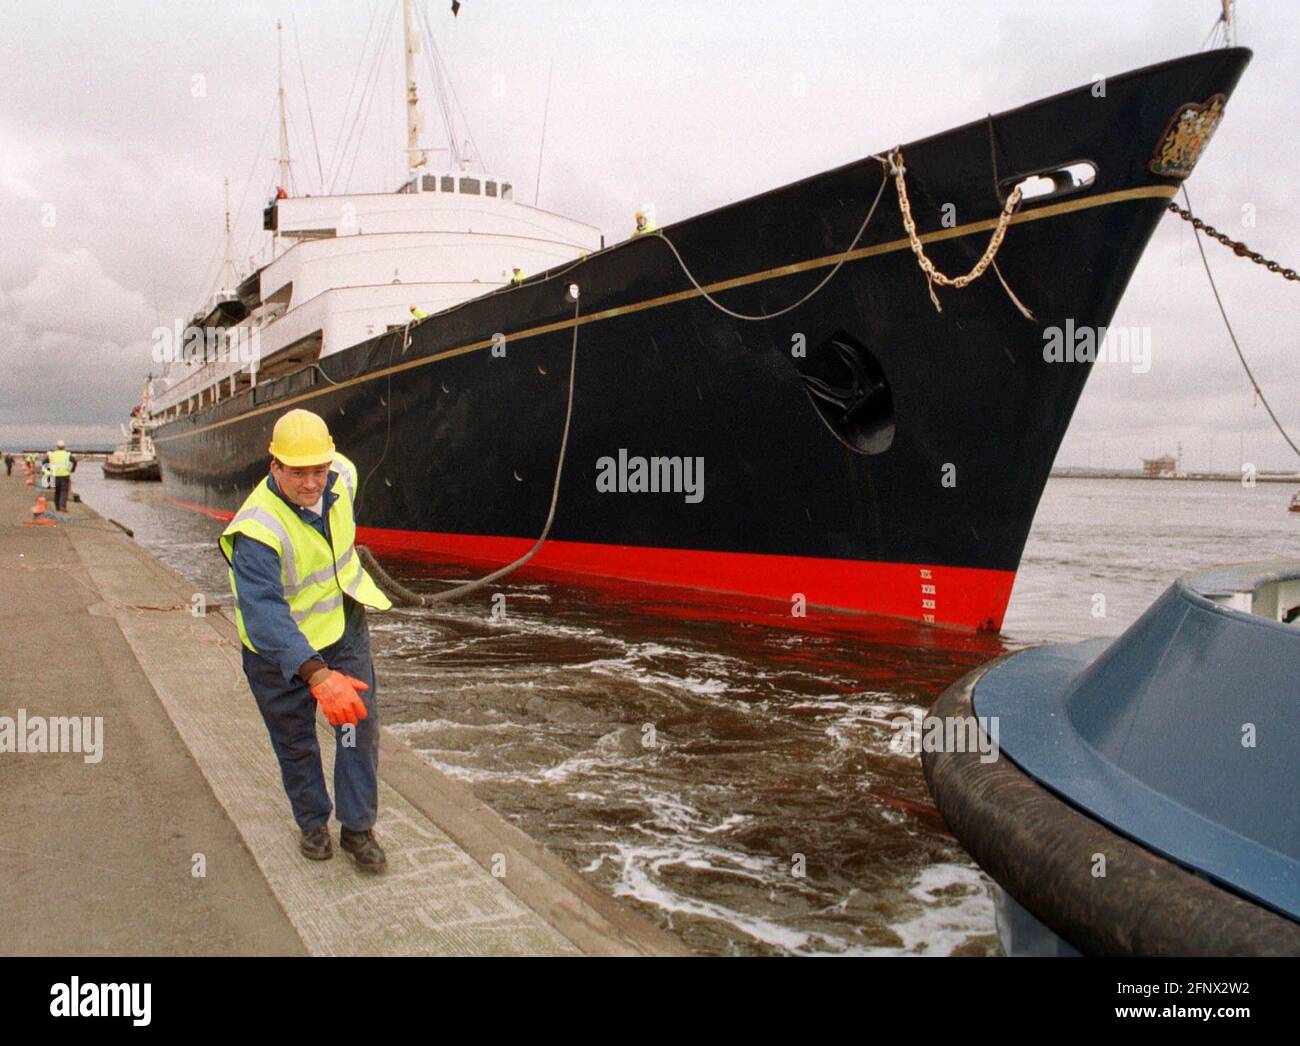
<point>415,156</point>
<point>229,270</point>
<point>283,182</point>
<point>1229,25</point>
<point>284,122</point>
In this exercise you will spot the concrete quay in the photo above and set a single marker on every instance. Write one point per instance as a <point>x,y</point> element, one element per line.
<point>175,837</point>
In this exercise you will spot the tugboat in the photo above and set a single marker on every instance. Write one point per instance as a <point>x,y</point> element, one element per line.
<point>855,363</point>
<point>1295,502</point>
<point>136,458</point>
<point>1144,799</point>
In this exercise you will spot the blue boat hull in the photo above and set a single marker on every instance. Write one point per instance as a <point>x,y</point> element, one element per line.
<point>1144,796</point>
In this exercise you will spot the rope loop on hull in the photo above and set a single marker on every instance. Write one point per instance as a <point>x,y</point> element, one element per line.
<point>757,317</point>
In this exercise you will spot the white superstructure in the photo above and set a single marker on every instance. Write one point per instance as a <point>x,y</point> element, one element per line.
<point>346,268</point>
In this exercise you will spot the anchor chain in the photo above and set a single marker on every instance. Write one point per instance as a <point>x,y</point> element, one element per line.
<point>1238,248</point>
<point>932,274</point>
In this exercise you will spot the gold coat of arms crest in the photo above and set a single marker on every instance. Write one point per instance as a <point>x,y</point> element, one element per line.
<point>1188,132</point>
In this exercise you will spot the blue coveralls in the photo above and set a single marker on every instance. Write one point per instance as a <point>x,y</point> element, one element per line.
<point>285,700</point>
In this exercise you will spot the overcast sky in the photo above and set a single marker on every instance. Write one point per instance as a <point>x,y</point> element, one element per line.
<point>119,120</point>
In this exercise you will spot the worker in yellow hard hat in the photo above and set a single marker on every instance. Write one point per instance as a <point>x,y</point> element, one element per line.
<point>643,224</point>
<point>300,604</point>
<point>60,465</point>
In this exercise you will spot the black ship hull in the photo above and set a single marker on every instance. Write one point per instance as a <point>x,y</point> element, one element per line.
<point>912,496</point>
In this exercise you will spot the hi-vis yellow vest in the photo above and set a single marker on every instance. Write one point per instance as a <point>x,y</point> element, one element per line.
<point>60,462</point>
<point>315,575</point>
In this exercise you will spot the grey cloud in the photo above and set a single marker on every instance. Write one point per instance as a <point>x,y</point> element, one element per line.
<point>685,105</point>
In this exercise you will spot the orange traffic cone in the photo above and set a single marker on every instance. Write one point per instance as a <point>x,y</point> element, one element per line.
<point>38,511</point>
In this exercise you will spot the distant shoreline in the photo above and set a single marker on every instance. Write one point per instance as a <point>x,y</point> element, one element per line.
<point>1191,477</point>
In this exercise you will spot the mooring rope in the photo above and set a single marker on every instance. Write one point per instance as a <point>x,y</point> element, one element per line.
<point>1196,230</point>
<point>399,593</point>
<point>754,317</point>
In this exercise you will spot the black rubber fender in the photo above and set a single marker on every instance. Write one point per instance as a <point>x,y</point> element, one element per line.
<point>1041,851</point>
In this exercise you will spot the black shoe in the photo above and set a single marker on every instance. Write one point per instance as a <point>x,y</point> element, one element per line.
<point>365,850</point>
<point>315,844</point>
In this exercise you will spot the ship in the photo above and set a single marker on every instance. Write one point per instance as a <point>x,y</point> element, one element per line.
<point>866,438</point>
<point>136,459</point>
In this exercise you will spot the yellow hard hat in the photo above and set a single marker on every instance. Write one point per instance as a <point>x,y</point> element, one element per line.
<point>301,439</point>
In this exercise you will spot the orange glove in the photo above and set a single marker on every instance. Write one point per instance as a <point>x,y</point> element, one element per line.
<point>337,695</point>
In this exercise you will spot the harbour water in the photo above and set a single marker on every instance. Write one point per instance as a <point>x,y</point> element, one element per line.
<point>740,781</point>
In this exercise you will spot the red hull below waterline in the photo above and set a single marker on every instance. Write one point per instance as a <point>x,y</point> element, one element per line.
<point>953,597</point>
